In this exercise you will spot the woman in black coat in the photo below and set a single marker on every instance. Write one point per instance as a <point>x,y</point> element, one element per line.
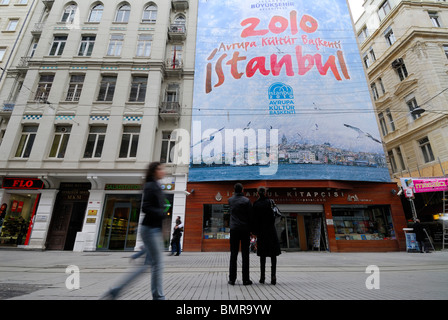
<point>267,240</point>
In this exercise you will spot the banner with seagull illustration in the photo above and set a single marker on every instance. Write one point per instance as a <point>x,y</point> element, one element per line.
<point>280,84</point>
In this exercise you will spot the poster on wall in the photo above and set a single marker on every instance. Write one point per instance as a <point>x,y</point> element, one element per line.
<point>280,93</point>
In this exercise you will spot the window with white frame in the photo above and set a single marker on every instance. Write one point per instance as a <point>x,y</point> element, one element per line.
<point>425,147</point>
<point>384,9</point>
<point>393,164</point>
<point>445,49</point>
<point>374,91</point>
<point>123,14</point>
<point>390,120</point>
<point>107,88</point>
<point>5,2</point>
<point>115,45</point>
<point>362,36</point>
<point>168,143</point>
<point>129,142</point>
<point>400,68</point>
<point>138,89</point>
<point>75,87</point>
<point>435,19</point>
<point>400,158</point>
<point>380,81</point>
<point>68,15</point>
<point>150,14</point>
<point>95,142</point>
<point>44,88</point>
<point>412,105</point>
<point>86,46</point>
<point>96,13</point>
<point>144,45</point>
<point>60,142</point>
<point>26,141</point>
<point>382,123</point>
<point>12,25</point>
<point>57,48</point>
<point>389,36</point>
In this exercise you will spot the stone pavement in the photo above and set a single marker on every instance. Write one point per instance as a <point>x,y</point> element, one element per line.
<point>41,275</point>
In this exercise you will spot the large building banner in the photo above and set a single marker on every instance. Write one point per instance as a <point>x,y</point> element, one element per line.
<point>280,93</point>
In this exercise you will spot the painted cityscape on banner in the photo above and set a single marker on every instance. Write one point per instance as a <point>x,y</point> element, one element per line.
<point>280,93</point>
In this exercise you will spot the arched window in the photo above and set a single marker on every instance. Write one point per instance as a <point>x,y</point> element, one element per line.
<point>96,13</point>
<point>69,13</point>
<point>123,13</point>
<point>150,14</point>
<point>180,20</point>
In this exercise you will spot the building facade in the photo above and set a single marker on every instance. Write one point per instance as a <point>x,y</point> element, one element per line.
<point>96,90</point>
<point>404,46</point>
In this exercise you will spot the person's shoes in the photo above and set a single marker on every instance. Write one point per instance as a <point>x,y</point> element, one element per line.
<point>247,283</point>
<point>261,280</point>
<point>177,254</point>
<point>111,294</point>
<point>273,280</point>
<point>232,283</point>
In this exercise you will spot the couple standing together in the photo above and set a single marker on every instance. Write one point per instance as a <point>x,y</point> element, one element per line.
<point>258,219</point>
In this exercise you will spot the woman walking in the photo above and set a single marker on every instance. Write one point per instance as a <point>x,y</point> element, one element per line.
<point>151,233</point>
<point>267,240</point>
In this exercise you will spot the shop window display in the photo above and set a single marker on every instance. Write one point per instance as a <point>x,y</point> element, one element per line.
<point>363,223</point>
<point>16,219</point>
<point>216,221</point>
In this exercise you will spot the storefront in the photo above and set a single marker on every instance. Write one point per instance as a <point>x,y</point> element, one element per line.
<point>317,215</point>
<point>18,208</point>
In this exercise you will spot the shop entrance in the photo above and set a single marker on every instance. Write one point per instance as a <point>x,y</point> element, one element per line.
<point>301,228</point>
<point>68,215</point>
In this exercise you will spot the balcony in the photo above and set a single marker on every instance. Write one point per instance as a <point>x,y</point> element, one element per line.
<point>7,107</point>
<point>179,5</point>
<point>174,67</point>
<point>177,32</point>
<point>169,110</point>
<point>37,29</point>
<point>48,4</point>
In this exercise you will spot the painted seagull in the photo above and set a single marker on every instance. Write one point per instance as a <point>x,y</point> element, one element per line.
<point>210,138</point>
<point>247,126</point>
<point>362,133</point>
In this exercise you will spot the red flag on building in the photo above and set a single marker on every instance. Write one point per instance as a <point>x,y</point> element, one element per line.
<point>174,58</point>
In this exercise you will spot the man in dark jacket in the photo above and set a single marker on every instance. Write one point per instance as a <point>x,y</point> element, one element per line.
<point>240,218</point>
<point>419,234</point>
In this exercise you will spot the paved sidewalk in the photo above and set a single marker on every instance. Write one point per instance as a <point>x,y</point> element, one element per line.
<point>41,275</point>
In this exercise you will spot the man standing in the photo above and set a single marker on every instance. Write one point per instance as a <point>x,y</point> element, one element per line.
<point>240,217</point>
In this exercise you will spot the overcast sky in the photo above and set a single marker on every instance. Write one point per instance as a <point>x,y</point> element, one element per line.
<point>356,8</point>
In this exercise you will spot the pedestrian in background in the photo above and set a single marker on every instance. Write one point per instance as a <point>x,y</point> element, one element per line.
<point>419,234</point>
<point>240,220</point>
<point>177,234</point>
<point>267,239</point>
<point>151,233</point>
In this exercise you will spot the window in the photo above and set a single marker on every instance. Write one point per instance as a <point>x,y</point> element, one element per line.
<point>400,68</point>
<point>43,88</point>
<point>384,9</point>
<point>172,93</point>
<point>129,142</point>
<point>366,60</point>
<point>60,141</point>
<point>26,141</point>
<point>86,46</point>
<point>115,45</point>
<point>393,164</point>
<point>107,88</point>
<point>95,142</point>
<point>22,2</point>
<point>123,13</point>
<point>12,25</point>
<point>400,158</point>
<point>380,81</point>
<point>382,123</point>
<point>2,53</point>
<point>390,120</point>
<point>4,2</point>
<point>389,35</point>
<point>144,45</point>
<point>363,222</point>
<point>168,143</point>
<point>138,89</point>
<point>150,14</point>
<point>96,13</point>
<point>363,35</point>
<point>445,49</point>
<point>374,91</point>
<point>435,19</point>
<point>425,146</point>
<point>69,13</point>
<point>412,105</point>
<point>57,48</point>
<point>75,87</point>
<point>216,223</point>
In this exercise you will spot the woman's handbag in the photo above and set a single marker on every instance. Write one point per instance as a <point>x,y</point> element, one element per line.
<point>275,209</point>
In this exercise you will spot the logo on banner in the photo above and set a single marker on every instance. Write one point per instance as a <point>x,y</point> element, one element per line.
<point>281,99</point>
